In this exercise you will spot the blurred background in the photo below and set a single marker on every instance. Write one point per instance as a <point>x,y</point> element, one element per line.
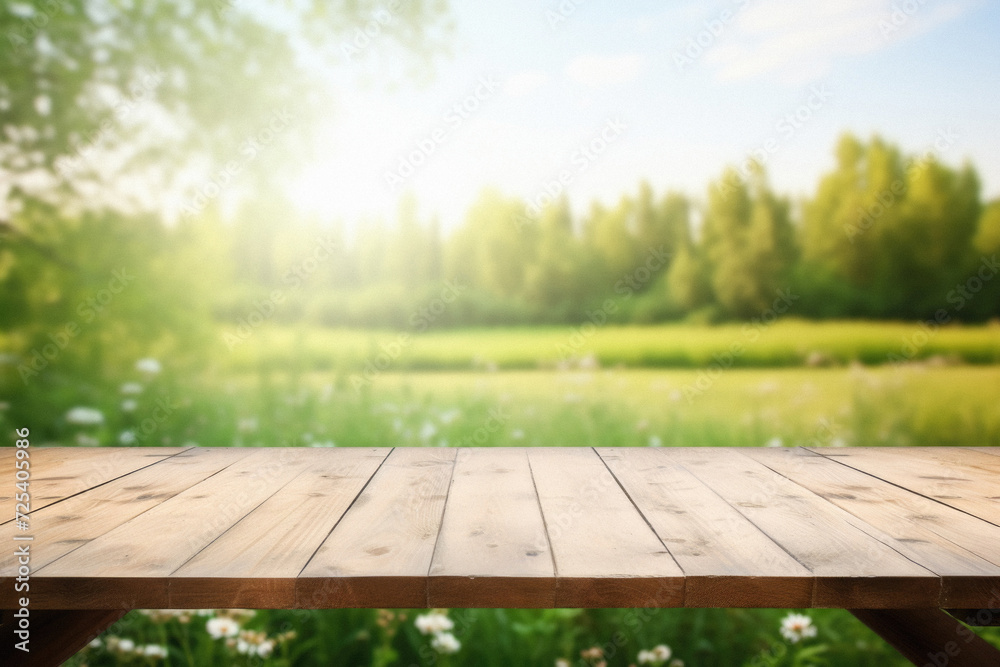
<point>251,223</point>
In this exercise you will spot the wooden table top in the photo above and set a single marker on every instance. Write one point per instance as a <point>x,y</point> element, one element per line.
<point>506,527</point>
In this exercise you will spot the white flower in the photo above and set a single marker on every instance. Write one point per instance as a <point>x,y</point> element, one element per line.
<point>427,431</point>
<point>126,645</point>
<point>448,416</point>
<point>517,434</point>
<point>655,656</point>
<point>775,442</point>
<point>247,425</point>
<point>562,662</point>
<point>221,626</point>
<point>797,626</point>
<point>433,623</point>
<point>676,662</point>
<point>131,388</point>
<point>129,405</point>
<point>149,366</point>
<point>86,440</point>
<point>655,441</point>
<point>838,442</point>
<point>95,643</point>
<point>127,438</point>
<point>84,416</point>
<point>662,652</point>
<point>154,651</point>
<point>243,647</point>
<point>445,642</point>
<point>265,648</point>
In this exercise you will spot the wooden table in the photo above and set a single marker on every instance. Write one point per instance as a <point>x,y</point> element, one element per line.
<point>893,534</point>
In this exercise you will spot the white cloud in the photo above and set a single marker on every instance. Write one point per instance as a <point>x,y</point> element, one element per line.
<point>603,71</point>
<point>798,42</point>
<point>524,83</point>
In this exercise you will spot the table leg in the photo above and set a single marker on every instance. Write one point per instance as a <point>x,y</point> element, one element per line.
<point>55,635</point>
<point>930,637</point>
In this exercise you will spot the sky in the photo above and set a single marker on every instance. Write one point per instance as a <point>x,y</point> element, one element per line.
<point>589,99</point>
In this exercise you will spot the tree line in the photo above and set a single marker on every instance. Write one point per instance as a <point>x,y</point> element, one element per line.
<point>884,235</point>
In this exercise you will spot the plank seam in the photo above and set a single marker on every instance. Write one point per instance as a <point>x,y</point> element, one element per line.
<point>97,486</point>
<point>899,514</point>
<point>437,538</point>
<point>235,523</point>
<point>144,511</point>
<point>353,501</point>
<point>545,523</point>
<point>646,520</point>
<point>900,486</point>
<point>841,510</point>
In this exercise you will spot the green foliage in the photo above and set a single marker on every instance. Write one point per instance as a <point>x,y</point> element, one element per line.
<point>172,83</point>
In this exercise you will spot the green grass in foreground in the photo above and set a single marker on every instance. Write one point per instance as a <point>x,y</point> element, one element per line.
<point>783,343</point>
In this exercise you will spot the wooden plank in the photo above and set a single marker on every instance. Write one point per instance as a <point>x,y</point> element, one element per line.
<point>60,472</point>
<point>966,480</point>
<point>605,552</point>
<point>929,637</point>
<point>995,451</point>
<point>263,553</point>
<point>727,560</point>
<point>963,550</point>
<point>852,568</point>
<point>492,550</point>
<point>59,529</point>
<point>136,557</point>
<point>380,552</point>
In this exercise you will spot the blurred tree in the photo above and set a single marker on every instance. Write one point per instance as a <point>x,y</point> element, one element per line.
<point>884,234</point>
<point>171,86</point>
<point>748,242</point>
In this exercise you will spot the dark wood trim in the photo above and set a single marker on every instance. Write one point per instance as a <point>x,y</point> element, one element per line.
<point>56,635</point>
<point>929,637</point>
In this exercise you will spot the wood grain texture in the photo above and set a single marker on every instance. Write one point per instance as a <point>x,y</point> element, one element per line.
<point>60,528</point>
<point>605,552</point>
<point>851,563</point>
<point>963,550</point>
<point>149,547</point>
<point>275,541</point>
<point>380,552</point>
<point>964,479</point>
<point>60,472</point>
<point>727,560</point>
<point>514,527</point>
<point>492,550</point>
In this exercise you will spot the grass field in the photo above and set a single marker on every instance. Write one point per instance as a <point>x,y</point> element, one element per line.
<point>783,343</point>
